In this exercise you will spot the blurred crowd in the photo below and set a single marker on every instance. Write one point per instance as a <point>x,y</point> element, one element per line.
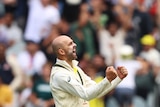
<point>107,33</point>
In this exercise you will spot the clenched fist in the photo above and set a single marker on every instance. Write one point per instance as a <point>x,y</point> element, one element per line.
<point>111,73</point>
<point>122,72</point>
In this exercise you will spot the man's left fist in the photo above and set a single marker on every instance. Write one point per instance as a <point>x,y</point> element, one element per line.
<point>122,72</point>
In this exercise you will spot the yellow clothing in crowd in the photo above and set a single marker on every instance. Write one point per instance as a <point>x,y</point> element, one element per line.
<point>6,95</point>
<point>97,102</point>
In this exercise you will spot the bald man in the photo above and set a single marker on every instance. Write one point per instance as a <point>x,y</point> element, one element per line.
<point>70,86</point>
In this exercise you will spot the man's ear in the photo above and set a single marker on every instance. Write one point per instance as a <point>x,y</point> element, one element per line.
<point>61,51</point>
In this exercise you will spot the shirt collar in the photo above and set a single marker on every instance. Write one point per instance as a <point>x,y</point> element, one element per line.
<point>65,64</point>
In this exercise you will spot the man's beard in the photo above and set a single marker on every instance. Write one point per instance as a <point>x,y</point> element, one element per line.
<point>72,55</point>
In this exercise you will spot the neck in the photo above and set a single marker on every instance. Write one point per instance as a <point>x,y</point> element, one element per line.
<point>67,60</point>
<point>70,63</point>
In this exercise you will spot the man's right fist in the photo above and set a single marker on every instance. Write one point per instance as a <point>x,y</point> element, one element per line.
<point>122,72</point>
<point>111,73</point>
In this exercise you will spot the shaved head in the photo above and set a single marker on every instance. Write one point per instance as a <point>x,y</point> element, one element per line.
<point>64,48</point>
<point>59,42</point>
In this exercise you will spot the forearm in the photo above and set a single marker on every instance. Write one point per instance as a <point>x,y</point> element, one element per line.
<point>86,93</point>
<point>96,90</point>
<point>16,71</point>
<point>114,83</point>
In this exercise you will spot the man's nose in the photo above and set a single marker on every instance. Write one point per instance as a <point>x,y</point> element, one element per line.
<point>75,44</point>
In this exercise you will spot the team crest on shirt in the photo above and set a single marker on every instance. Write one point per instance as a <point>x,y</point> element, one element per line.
<point>69,79</point>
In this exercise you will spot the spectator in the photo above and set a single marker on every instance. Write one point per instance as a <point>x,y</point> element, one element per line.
<point>92,72</point>
<point>10,5</point>
<point>84,35</point>
<point>137,22</point>
<point>110,40</point>
<point>13,34</point>
<point>6,69</point>
<point>45,44</point>
<point>70,9</point>
<point>125,91</point>
<point>39,26</point>
<point>101,13</point>
<point>10,71</point>
<point>6,94</point>
<point>95,68</point>
<point>64,26</point>
<point>99,63</point>
<point>34,59</point>
<point>21,13</point>
<point>151,56</point>
<point>41,95</point>
<point>25,93</point>
<point>149,52</point>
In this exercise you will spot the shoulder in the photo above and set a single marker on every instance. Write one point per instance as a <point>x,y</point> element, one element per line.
<point>59,72</point>
<point>60,76</point>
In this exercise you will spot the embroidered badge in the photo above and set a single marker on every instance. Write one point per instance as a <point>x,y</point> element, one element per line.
<point>69,79</point>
